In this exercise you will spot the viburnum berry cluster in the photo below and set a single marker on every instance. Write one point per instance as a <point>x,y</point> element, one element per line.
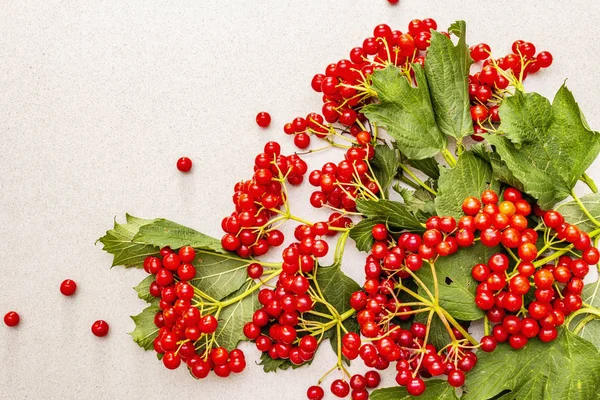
<point>531,293</point>
<point>457,235</point>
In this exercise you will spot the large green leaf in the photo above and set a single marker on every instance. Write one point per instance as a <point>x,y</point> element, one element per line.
<point>406,112</point>
<point>573,214</point>
<point>567,369</point>
<point>385,165</point>
<point>233,318</point>
<point>455,284</point>
<point>436,389</point>
<point>162,232</point>
<point>591,329</point>
<point>447,71</point>
<point>126,251</point>
<point>547,147</point>
<point>469,177</point>
<point>145,330</point>
<point>219,275</point>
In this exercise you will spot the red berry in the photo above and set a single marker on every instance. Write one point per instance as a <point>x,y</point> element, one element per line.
<point>340,388</point>
<point>315,393</point>
<point>100,328</point>
<point>263,119</point>
<point>12,318</point>
<point>68,287</point>
<point>184,164</point>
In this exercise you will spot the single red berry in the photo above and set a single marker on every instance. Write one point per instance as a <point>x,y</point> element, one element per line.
<point>263,119</point>
<point>315,393</point>
<point>340,388</point>
<point>184,164</point>
<point>100,328</point>
<point>68,287</point>
<point>12,318</point>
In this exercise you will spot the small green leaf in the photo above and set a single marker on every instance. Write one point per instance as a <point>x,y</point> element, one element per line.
<point>590,331</point>
<point>436,389</point>
<point>447,71</point>
<point>573,214</point>
<point>361,232</point>
<point>385,164</point>
<point>428,166</point>
<point>143,290</point>
<point>455,284</point>
<point>219,275</point>
<point>145,330</point>
<point>406,112</point>
<point>469,177</point>
<point>398,215</point>
<point>280,364</point>
<point>233,318</point>
<point>126,251</point>
<point>566,368</point>
<point>161,233</point>
<point>547,147</point>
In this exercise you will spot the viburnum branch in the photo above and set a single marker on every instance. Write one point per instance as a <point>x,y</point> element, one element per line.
<point>590,182</point>
<point>416,179</point>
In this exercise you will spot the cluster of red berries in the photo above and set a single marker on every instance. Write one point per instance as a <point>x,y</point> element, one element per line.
<point>342,183</point>
<point>357,388</point>
<point>342,81</point>
<point>487,87</point>
<point>283,306</point>
<point>180,323</point>
<point>555,289</point>
<point>258,199</point>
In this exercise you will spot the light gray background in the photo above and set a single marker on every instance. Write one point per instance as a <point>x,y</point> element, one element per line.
<point>98,99</point>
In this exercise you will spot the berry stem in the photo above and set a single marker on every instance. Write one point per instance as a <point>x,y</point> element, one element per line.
<point>585,210</point>
<point>417,180</point>
<point>590,182</point>
<point>449,158</point>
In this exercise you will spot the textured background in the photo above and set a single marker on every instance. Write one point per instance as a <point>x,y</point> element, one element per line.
<point>98,99</point>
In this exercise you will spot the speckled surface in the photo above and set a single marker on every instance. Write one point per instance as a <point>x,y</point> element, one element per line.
<point>98,99</point>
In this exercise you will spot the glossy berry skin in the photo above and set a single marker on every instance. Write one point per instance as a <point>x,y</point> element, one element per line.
<point>263,119</point>
<point>315,393</point>
<point>340,388</point>
<point>12,319</point>
<point>100,328</point>
<point>68,287</point>
<point>184,164</point>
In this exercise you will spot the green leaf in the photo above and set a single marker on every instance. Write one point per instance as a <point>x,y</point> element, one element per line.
<point>271,365</point>
<point>590,331</point>
<point>161,233</point>
<point>447,71</point>
<point>436,389</point>
<point>361,232</point>
<point>455,284</point>
<point>406,112</point>
<point>469,177</point>
<point>428,166</point>
<point>398,215</point>
<point>500,171</point>
<point>126,251</point>
<point>547,147</point>
<point>565,369</point>
<point>233,318</point>
<point>143,290</point>
<point>573,214</point>
<point>219,275</point>
<point>385,164</point>
<point>145,330</point>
